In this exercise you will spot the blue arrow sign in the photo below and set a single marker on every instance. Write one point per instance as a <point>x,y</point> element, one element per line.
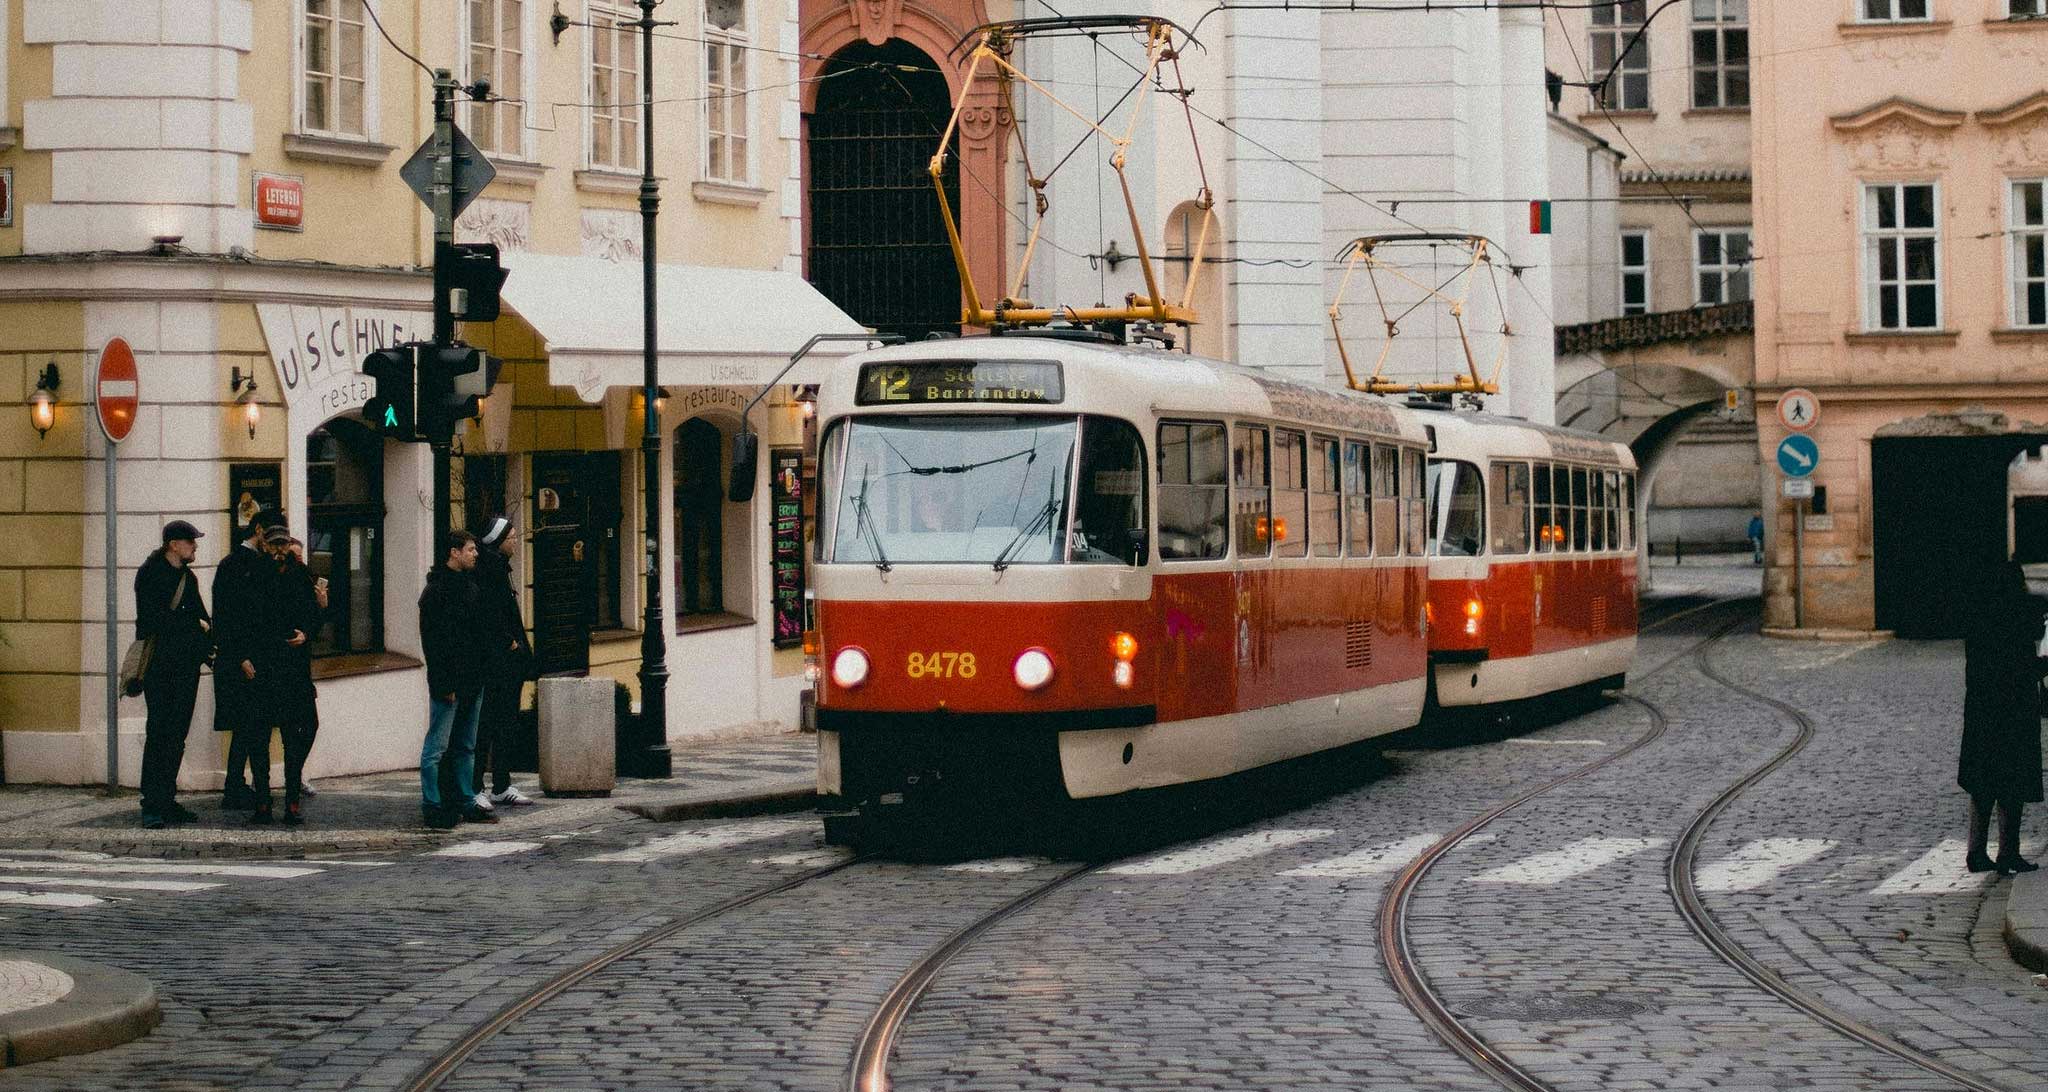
<point>1798,455</point>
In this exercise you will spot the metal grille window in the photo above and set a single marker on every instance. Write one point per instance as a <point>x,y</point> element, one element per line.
<point>2029,231</point>
<point>1896,11</point>
<point>1252,476</point>
<point>344,535</point>
<point>495,31</point>
<point>614,89</point>
<point>1635,272</point>
<point>1901,244</point>
<point>725,91</point>
<point>1194,506</point>
<point>335,62</point>
<point>1720,53</point>
<point>1721,266</point>
<point>1617,28</point>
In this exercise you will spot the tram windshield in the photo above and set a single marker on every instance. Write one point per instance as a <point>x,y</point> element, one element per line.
<point>1457,509</point>
<point>986,488</point>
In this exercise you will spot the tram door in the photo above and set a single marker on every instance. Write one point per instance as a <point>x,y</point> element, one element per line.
<point>562,588</point>
<point>1938,510</point>
<point>878,246</point>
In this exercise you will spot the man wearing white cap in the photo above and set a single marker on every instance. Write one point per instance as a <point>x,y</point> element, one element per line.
<point>510,665</point>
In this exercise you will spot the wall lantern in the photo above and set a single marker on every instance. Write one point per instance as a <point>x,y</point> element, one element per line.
<point>252,410</point>
<point>42,405</point>
<point>660,401</point>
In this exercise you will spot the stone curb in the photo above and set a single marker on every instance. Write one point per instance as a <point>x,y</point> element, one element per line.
<point>729,807</point>
<point>105,1008</point>
<point>2026,920</point>
<point>1786,633</point>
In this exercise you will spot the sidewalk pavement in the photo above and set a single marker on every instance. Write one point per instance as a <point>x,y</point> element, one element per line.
<point>52,1005</point>
<point>377,812</point>
<point>2026,920</point>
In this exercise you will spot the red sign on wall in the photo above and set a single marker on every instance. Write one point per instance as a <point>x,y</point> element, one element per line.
<point>280,202</point>
<point>117,391</point>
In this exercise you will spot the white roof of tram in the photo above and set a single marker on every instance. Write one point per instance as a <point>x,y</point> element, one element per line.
<point>1476,437</point>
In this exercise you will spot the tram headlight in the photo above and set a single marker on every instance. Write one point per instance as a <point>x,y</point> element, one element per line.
<point>1474,610</point>
<point>1033,669</point>
<point>849,668</point>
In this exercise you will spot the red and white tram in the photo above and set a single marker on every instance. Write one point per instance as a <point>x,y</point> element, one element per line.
<point>1063,568</point>
<point>1532,571</point>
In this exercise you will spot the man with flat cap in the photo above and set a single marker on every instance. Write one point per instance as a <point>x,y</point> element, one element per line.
<point>247,637</point>
<point>171,616</point>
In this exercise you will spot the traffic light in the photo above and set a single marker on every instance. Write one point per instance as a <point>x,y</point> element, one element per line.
<point>453,380</point>
<point>394,409</point>
<point>467,278</point>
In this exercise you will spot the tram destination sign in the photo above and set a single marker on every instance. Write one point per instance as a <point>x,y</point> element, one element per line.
<point>920,382</point>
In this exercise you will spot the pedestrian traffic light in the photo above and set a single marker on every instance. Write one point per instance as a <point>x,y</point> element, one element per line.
<point>467,278</point>
<point>453,380</point>
<point>394,408</point>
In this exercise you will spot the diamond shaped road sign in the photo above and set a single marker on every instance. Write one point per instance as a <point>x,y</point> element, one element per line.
<point>472,171</point>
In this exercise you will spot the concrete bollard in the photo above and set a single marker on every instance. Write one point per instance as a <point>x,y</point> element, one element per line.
<point>576,756</point>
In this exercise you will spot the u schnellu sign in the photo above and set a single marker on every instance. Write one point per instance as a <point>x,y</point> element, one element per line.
<point>318,353</point>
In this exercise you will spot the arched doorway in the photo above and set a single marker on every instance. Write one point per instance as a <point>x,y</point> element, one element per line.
<point>878,248</point>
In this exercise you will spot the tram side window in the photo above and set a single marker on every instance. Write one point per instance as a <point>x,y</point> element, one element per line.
<point>1290,494</point>
<point>1251,473</point>
<point>1561,499</point>
<point>1546,523</point>
<point>1596,511</point>
<point>1414,503</point>
<point>1109,508</point>
<point>1326,503</point>
<point>1457,508</point>
<point>831,455</point>
<point>1628,511</point>
<point>1358,498</point>
<point>1386,500</point>
<point>1194,505</point>
<point>1511,508</point>
<point>1614,541</point>
<point>1582,524</point>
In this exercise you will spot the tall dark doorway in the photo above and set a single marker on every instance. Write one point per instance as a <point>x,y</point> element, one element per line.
<point>576,563</point>
<point>1938,511</point>
<point>700,518</point>
<point>878,246</point>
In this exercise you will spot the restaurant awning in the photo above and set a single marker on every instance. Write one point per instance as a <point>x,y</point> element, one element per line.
<point>733,327</point>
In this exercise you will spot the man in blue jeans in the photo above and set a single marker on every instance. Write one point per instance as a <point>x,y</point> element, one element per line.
<point>456,670</point>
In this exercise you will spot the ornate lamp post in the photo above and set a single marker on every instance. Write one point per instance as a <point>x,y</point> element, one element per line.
<point>653,759</point>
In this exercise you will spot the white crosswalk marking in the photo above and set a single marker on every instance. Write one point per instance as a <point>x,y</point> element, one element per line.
<point>484,850</point>
<point>997,866</point>
<point>1758,863</point>
<point>1370,861</point>
<point>808,858</point>
<point>1583,856</point>
<point>115,885</point>
<point>163,868</point>
<point>1941,871</point>
<point>703,841</point>
<point>1530,742</point>
<point>1219,852</point>
<point>49,900</point>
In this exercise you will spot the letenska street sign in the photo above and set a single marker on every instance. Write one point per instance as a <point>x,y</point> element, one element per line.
<point>1799,409</point>
<point>472,171</point>
<point>117,391</point>
<point>1798,455</point>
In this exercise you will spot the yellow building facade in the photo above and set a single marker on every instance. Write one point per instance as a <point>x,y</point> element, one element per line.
<point>217,184</point>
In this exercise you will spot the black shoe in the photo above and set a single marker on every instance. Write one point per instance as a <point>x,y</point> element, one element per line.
<point>236,798</point>
<point>477,815</point>
<point>1978,862</point>
<point>2015,863</point>
<point>262,816</point>
<point>153,821</point>
<point>179,813</point>
<point>439,818</point>
<point>293,817</point>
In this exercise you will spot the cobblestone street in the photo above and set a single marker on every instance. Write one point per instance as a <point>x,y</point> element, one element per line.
<point>1248,955</point>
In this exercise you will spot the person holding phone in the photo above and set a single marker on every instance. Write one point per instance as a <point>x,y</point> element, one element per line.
<point>300,599</point>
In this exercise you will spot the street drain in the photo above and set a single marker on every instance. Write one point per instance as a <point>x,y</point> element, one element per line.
<point>1551,1006</point>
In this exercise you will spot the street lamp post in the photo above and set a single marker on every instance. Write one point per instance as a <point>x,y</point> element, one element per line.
<point>654,759</point>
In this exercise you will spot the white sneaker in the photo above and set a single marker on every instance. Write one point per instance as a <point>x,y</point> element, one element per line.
<point>513,797</point>
<point>306,788</point>
<point>482,801</point>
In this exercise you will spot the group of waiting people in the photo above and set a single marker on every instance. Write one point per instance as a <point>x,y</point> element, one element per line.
<point>267,608</point>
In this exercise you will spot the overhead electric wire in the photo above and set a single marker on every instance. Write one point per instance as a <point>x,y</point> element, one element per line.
<point>371,10</point>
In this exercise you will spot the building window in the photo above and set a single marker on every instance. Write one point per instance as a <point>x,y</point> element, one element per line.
<point>1616,28</point>
<point>1897,11</point>
<point>1721,264</point>
<point>725,91</point>
<point>1635,272</point>
<point>334,61</point>
<point>1901,244</point>
<point>2027,9</point>
<point>1720,53</point>
<point>495,31</point>
<point>344,535</point>
<point>614,89</point>
<point>2029,254</point>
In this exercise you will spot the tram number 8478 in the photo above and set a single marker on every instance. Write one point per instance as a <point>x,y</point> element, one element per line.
<point>941,665</point>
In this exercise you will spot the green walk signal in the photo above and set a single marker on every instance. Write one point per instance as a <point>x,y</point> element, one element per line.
<point>394,409</point>
<point>390,417</point>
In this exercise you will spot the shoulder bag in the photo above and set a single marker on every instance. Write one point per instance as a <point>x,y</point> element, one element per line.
<point>135,662</point>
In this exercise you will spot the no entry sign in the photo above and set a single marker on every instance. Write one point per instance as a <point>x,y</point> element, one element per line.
<point>118,390</point>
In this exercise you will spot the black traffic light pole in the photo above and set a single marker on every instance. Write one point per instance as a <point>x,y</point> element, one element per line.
<point>445,200</point>
<point>654,759</point>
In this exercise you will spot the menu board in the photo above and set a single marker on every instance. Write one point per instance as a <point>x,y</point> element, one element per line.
<point>253,488</point>
<point>786,543</point>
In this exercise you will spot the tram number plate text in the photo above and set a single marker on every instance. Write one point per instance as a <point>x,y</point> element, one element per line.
<point>941,665</point>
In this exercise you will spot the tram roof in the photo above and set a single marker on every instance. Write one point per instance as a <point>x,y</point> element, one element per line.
<point>1458,436</point>
<point>1135,381</point>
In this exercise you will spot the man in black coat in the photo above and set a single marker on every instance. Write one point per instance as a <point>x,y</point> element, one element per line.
<point>453,633</point>
<point>511,664</point>
<point>248,643</point>
<point>171,616</point>
<point>2000,763</point>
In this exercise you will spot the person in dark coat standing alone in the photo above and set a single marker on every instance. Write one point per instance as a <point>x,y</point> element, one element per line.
<point>170,614</point>
<point>295,705</point>
<point>452,633</point>
<point>246,638</point>
<point>2001,756</point>
<point>511,665</point>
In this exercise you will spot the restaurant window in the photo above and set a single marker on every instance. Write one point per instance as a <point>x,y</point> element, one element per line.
<point>1290,494</point>
<point>2029,232</point>
<point>335,62</point>
<point>614,89</point>
<point>725,92</point>
<point>344,535</point>
<point>495,33</point>
<point>1386,500</point>
<point>1194,505</point>
<point>1358,498</point>
<point>700,518</point>
<point>1511,508</point>
<point>605,473</point>
<point>1901,260</point>
<point>1617,27</point>
<point>1720,53</point>
<point>1253,479</point>
<point>1326,501</point>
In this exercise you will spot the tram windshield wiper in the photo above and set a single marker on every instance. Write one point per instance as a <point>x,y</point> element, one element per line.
<point>1041,521</point>
<point>864,525</point>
